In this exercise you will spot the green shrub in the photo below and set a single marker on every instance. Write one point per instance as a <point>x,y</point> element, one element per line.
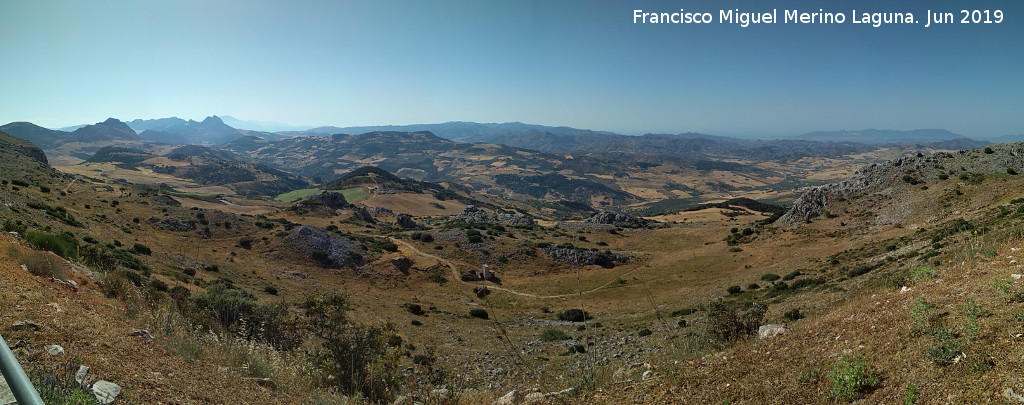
<point>945,352</point>
<point>133,277</point>
<point>11,225</point>
<point>415,309</point>
<point>355,359</point>
<point>270,290</point>
<point>553,335</point>
<point>724,323</point>
<point>573,315</point>
<point>684,311</point>
<point>850,376</point>
<point>238,312</point>
<point>126,259</point>
<point>479,313</point>
<point>64,245</point>
<point>920,316</point>
<point>644,332</point>
<point>427,238</point>
<point>807,282</point>
<point>911,395</point>
<point>158,285</point>
<point>753,286</point>
<point>793,274</point>
<point>989,151</point>
<point>98,258</point>
<point>911,180</point>
<point>437,277</point>
<point>733,290</point>
<point>860,270</point>
<point>179,293</point>
<point>769,277</point>
<point>574,349</point>
<point>793,314</point>
<point>142,249</point>
<point>1003,286</point>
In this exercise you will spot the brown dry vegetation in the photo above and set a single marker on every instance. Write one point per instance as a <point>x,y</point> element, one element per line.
<point>683,265</point>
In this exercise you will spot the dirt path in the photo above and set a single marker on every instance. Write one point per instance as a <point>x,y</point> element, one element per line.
<point>458,277</point>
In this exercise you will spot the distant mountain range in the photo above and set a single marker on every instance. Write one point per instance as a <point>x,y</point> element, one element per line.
<point>216,130</point>
<point>686,148</point>
<point>106,131</point>
<point>174,130</point>
<point>883,136</point>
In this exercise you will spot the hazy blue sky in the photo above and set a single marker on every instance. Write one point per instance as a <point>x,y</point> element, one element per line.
<point>578,63</point>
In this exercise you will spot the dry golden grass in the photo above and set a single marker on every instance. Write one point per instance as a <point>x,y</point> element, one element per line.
<point>95,329</point>
<point>420,205</point>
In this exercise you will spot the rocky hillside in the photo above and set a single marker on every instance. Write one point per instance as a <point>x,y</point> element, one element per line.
<point>426,157</point>
<point>911,171</point>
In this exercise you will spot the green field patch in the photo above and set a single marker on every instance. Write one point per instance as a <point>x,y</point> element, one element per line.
<point>351,194</point>
<point>354,194</point>
<point>296,195</point>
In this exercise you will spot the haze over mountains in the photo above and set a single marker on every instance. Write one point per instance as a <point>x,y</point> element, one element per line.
<point>216,130</point>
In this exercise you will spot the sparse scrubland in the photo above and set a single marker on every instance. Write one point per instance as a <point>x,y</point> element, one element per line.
<point>901,286</point>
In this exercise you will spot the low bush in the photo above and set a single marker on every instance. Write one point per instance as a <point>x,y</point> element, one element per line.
<point>64,245</point>
<point>945,352</point>
<point>142,249</point>
<point>355,359</point>
<point>415,309</point>
<point>437,277</point>
<point>769,277</point>
<point>158,285</point>
<point>573,315</point>
<point>574,349</point>
<point>921,316</point>
<point>793,314</point>
<point>725,324</point>
<point>479,313</point>
<point>11,225</point>
<point>921,273</point>
<point>852,375</point>
<point>807,282</point>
